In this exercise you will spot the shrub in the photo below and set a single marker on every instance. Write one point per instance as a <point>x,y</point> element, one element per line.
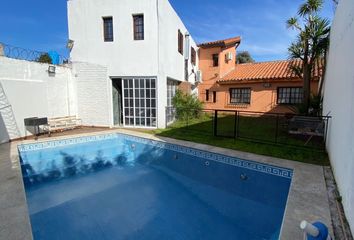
<point>187,106</point>
<point>314,108</point>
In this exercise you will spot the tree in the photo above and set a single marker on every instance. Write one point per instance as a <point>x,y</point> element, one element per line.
<point>187,106</point>
<point>244,57</point>
<point>44,58</point>
<point>311,43</point>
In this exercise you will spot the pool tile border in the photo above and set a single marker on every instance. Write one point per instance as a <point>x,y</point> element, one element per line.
<point>237,162</point>
<point>60,143</point>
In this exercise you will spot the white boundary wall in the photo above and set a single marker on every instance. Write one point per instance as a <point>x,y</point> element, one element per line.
<point>79,89</point>
<point>339,103</point>
<point>31,92</point>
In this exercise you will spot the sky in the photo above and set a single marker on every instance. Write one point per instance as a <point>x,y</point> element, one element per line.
<point>42,25</point>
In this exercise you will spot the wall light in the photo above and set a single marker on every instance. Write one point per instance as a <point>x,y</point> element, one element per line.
<point>70,44</point>
<point>51,69</point>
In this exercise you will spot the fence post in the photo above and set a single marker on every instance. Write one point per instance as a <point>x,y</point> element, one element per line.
<point>327,119</point>
<point>235,125</point>
<point>215,123</point>
<point>238,124</point>
<point>276,129</point>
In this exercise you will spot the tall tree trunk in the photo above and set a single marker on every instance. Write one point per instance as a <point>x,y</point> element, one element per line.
<point>307,86</point>
<point>306,77</point>
<point>323,70</point>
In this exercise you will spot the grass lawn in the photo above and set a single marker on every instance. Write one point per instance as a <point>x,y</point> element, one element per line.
<point>263,129</point>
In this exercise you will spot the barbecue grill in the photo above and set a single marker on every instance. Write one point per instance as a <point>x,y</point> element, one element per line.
<point>35,122</point>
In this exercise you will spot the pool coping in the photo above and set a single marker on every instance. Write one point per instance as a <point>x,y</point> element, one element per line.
<point>307,199</point>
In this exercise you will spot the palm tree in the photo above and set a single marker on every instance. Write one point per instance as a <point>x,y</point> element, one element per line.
<point>311,43</point>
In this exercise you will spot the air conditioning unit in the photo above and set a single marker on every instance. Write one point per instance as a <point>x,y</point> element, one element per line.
<point>198,77</point>
<point>229,56</point>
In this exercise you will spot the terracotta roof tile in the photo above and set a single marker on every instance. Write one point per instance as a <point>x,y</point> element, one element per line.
<point>221,43</point>
<point>274,70</point>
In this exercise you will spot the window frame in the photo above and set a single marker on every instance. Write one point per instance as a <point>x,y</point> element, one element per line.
<point>138,29</point>
<point>216,60</point>
<point>108,32</point>
<point>241,93</point>
<point>290,98</point>
<point>140,101</point>
<point>214,96</point>
<point>180,38</point>
<point>193,56</point>
<point>207,95</point>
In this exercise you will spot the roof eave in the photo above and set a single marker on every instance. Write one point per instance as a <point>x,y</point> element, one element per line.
<point>221,43</point>
<point>261,80</point>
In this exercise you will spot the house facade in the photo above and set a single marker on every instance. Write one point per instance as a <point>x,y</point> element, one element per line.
<point>258,87</point>
<point>146,49</point>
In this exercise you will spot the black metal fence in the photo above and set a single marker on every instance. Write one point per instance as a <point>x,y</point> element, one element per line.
<point>24,54</point>
<point>272,128</point>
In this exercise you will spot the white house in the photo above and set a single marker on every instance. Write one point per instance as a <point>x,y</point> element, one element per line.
<point>146,50</point>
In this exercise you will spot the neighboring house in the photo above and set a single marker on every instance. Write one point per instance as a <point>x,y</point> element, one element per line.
<point>260,87</point>
<point>216,59</point>
<point>146,50</point>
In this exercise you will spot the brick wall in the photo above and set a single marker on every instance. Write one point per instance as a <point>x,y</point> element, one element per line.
<point>93,94</point>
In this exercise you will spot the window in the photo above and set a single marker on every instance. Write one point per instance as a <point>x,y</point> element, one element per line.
<point>193,56</point>
<point>140,102</point>
<point>214,96</point>
<point>108,29</point>
<point>240,95</point>
<point>290,95</point>
<point>172,87</point>
<point>215,60</point>
<point>180,42</point>
<point>138,27</point>
<point>206,95</point>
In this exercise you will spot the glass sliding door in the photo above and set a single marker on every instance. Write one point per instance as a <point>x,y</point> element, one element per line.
<point>117,102</point>
<point>172,87</point>
<point>139,102</point>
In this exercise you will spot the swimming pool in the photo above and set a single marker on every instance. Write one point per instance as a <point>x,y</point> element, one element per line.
<point>117,186</point>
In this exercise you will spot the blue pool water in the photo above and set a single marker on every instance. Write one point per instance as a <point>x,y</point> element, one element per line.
<point>123,187</point>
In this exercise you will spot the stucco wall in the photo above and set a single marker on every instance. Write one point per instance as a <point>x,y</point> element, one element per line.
<point>171,62</point>
<point>156,56</point>
<point>31,92</point>
<point>339,103</point>
<point>123,56</point>
<point>93,94</point>
<point>206,63</point>
<point>262,99</point>
<point>210,73</point>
